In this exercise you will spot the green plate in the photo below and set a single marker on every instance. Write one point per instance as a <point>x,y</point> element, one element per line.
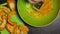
<point>36,22</point>
<point>15,18</point>
<point>4,31</point>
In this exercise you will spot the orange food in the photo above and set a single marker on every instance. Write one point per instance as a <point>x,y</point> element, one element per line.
<point>2,26</point>
<point>17,31</point>
<point>10,28</point>
<point>4,9</point>
<point>11,4</point>
<point>23,28</point>
<point>3,17</point>
<point>45,9</point>
<point>9,15</point>
<point>7,23</point>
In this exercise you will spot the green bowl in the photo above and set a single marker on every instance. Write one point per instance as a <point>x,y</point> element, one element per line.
<point>36,22</point>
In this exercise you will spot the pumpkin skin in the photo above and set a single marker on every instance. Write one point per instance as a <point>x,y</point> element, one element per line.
<point>38,18</point>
